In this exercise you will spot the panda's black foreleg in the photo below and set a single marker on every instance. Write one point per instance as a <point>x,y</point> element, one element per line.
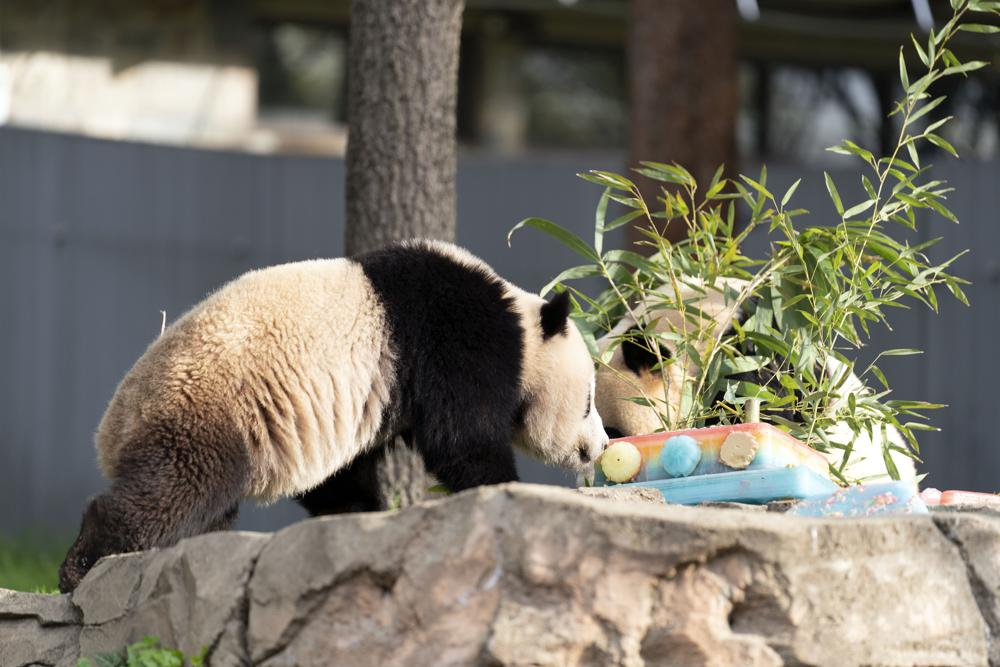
<point>461,464</point>
<point>351,489</point>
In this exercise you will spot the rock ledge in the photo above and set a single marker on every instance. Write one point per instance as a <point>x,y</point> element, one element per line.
<point>530,575</point>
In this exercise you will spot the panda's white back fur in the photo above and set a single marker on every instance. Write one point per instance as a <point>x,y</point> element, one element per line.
<point>306,341</point>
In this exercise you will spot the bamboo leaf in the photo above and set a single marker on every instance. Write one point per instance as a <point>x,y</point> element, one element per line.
<point>965,68</point>
<point>757,186</point>
<point>623,220</point>
<point>890,465</point>
<point>669,173</point>
<point>940,208</point>
<point>608,179</point>
<point>860,208</point>
<point>752,390</point>
<point>716,179</point>
<point>564,236</point>
<point>574,273</point>
<point>979,27</point>
<point>834,195</point>
<point>600,216</point>
<point>942,143</point>
<point>927,108</point>
<point>632,259</point>
<point>788,193</point>
<point>957,292</point>
<point>920,51</point>
<point>912,150</point>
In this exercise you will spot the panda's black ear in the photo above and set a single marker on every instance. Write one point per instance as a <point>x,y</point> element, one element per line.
<point>555,314</point>
<point>638,357</point>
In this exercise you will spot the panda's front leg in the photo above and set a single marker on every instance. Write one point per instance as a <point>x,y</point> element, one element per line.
<point>464,461</point>
<point>354,488</point>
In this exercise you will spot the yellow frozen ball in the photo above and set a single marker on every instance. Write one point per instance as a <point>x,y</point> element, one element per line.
<point>621,462</point>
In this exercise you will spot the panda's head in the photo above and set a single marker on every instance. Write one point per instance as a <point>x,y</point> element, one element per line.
<point>635,371</point>
<point>628,374</point>
<point>559,421</point>
<point>102,532</point>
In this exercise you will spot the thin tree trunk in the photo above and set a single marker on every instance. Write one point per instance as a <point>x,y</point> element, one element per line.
<point>684,88</point>
<point>402,83</point>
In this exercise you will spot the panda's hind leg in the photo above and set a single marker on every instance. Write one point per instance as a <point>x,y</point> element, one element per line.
<point>168,485</point>
<point>175,484</point>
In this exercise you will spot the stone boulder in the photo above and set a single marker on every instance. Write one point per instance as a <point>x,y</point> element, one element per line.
<point>38,629</point>
<point>529,575</point>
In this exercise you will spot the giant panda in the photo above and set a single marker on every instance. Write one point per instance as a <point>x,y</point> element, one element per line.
<point>284,376</point>
<point>630,372</point>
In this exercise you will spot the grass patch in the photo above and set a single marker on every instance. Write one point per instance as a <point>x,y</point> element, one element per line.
<point>30,562</point>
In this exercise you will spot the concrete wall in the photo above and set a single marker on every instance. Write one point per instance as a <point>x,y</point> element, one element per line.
<point>97,237</point>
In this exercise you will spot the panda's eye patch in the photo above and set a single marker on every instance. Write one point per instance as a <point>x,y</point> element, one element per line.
<point>590,403</point>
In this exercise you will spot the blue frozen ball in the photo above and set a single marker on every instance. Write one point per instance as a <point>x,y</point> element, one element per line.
<point>680,455</point>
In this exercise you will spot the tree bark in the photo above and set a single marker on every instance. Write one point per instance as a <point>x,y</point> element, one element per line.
<point>402,83</point>
<point>402,91</point>
<point>684,88</point>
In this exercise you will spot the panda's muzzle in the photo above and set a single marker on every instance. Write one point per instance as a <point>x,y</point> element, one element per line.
<point>587,453</point>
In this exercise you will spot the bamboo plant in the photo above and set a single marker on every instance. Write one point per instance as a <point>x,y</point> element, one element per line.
<point>811,300</point>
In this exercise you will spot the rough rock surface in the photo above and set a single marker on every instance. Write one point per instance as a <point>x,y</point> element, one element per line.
<point>527,575</point>
<point>639,494</point>
<point>37,629</point>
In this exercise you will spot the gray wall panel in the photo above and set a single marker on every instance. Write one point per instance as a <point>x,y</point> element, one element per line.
<point>97,237</point>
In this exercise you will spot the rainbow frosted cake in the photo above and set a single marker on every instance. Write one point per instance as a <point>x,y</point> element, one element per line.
<point>712,450</point>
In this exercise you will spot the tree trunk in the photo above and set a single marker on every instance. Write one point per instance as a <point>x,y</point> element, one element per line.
<point>684,88</point>
<point>402,83</point>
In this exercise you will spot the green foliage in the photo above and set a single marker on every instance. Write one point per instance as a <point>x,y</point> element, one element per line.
<point>30,562</point>
<point>145,653</point>
<point>397,501</point>
<point>812,300</point>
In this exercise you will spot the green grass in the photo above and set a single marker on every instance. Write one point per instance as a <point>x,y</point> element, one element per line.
<point>30,562</point>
